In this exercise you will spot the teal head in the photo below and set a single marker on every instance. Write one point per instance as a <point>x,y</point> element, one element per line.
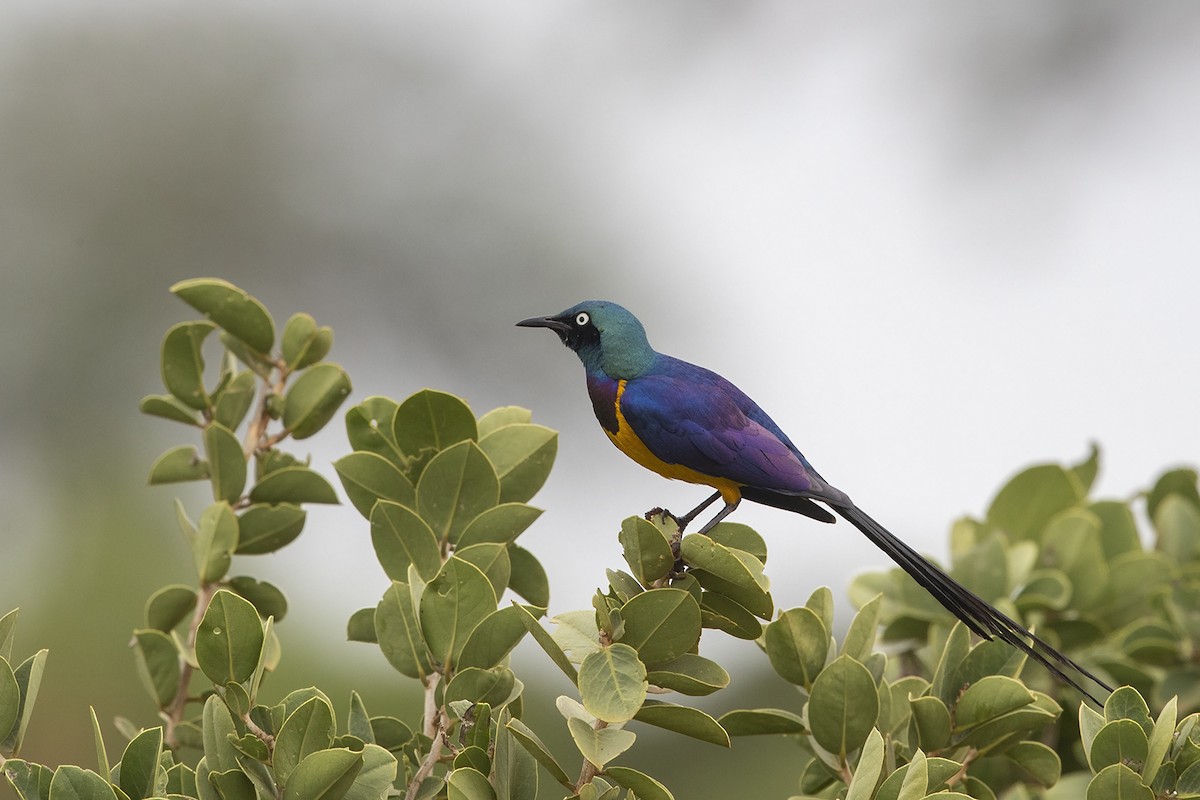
<point>605,336</point>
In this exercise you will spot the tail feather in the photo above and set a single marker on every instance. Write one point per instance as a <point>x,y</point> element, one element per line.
<point>978,615</point>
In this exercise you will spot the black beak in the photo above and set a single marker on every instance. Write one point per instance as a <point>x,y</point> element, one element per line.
<point>558,326</point>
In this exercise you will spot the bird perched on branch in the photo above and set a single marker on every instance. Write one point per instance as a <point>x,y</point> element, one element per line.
<point>688,423</point>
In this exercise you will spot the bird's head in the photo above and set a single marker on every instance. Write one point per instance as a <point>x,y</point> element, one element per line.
<point>605,336</point>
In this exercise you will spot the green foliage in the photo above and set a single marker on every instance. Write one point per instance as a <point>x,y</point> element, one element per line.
<point>445,497</point>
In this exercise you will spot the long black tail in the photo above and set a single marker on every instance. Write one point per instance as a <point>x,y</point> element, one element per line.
<point>975,613</point>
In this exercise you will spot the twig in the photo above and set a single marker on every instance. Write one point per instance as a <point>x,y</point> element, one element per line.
<point>433,730</point>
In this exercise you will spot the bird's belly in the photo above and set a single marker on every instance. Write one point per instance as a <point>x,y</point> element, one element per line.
<point>631,445</point>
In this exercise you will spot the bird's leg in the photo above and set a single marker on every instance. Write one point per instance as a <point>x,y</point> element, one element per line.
<point>691,515</point>
<point>722,514</point>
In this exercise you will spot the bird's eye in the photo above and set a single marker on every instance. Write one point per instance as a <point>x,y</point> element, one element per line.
<point>582,318</point>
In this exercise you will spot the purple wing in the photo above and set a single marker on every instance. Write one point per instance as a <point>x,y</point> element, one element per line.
<point>691,416</point>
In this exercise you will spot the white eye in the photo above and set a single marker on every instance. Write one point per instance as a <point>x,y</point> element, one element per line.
<point>582,318</point>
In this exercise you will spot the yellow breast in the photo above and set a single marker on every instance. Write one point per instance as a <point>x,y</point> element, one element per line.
<point>628,443</point>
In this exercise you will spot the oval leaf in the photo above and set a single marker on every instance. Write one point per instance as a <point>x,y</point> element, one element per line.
<point>314,398</point>
<point>368,477</point>
<point>612,682</point>
<point>293,485</point>
<point>661,624</point>
<point>183,365</point>
<point>229,640</point>
<point>797,644</point>
<point>231,308</point>
<point>303,342</point>
<point>522,456</point>
<point>265,528</point>
<point>226,462</point>
<point>843,706</point>
<point>158,664</point>
<point>177,465</point>
<point>456,486</point>
<point>399,634</point>
<point>401,538</point>
<point>324,775</point>
<point>432,419</point>
<point>457,600</point>
<point>682,719</point>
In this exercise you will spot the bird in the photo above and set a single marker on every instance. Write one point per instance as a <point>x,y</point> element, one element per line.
<point>688,423</point>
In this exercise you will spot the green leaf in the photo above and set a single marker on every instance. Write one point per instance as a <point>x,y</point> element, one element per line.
<point>533,745</point>
<point>226,462</point>
<point>1071,542</point>
<point>324,775</point>
<point>167,407</point>
<point>643,786</point>
<point>646,550</point>
<point>72,783</point>
<point>1127,703</point>
<point>661,624</point>
<point>689,674</point>
<point>139,764</point>
<point>457,599</point>
<point>169,607</point>
<point>303,342</point>
<point>361,626</point>
<point>504,415</point>
<point>218,732</point>
<point>501,524</point>
<point>105,771</point>
<point>230,307</point>
<point>264,528</point>
<point>234,401</point>
<point>376,777</point>
<point>843,706</point>
<point>988,698</point>
<point>8,626</point>
<point>432,419</point>
<point>177,465</point>
<point>307,730</point>
<point>1177,521</point>
<point>736,574</point>
<point>400,538</point>
<point>547,643</point>
<point>493,638</point>
<point>266,598</point>
<point>599,746</point>
<point>718,611</point>
<point>1118,782</point>
<point>683,719</point>
<point>492,560</point>
<point>514,771</point>
<point>183,365</point>
<point>293,485</point>
<point>158,664</point>
<point>797,644</point>
<point>31,781</point>
<point>1160,740</point>
<point>528,577</point>
<point>457,485</point>
<point>369,429</point>
<point>368,477</point>
<point>10,699</point>
<point>466,783</point>
<point>522,456</point>
<point>760,722</point>
<point>314,398</point>
<point>612,682</point>
<point>233,784</point>
<point>216,539</point>
<point>399,634</point>
<point>868,770</point>
<point>28,675</point>
<point>932,720</point>
<point>230,639</point>
<point>475,685</point>
<point>1038,761</point>
<point>1085,471</point>
<point>1121,741</point>
<point>1027,502</point>
<point>1177,481</point>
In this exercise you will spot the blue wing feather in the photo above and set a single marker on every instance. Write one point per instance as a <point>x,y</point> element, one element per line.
<point>689,415</point>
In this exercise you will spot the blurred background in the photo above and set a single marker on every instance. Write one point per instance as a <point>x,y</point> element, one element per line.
<point>936,241</point>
